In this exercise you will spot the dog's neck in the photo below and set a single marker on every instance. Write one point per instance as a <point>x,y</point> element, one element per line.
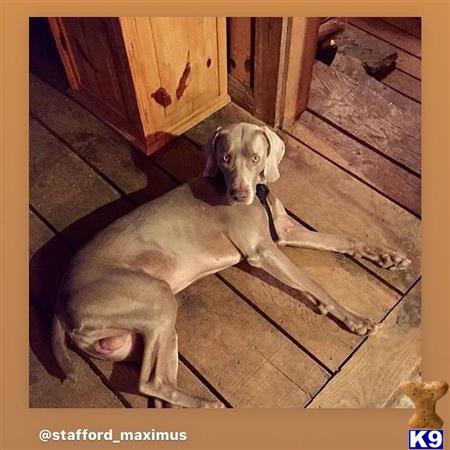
<point>214,192</point>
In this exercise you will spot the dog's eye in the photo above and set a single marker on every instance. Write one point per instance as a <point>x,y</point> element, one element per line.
<point>226,157</point>
<point>255,158</point>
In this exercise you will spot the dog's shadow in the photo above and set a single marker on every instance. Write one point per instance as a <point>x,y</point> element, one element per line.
<point>46,269</point>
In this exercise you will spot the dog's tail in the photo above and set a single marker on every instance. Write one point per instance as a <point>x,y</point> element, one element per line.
<point>60,349</point>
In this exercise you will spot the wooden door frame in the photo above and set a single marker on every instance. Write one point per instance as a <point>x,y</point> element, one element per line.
<point>300,52</point>
<point>284,52</point>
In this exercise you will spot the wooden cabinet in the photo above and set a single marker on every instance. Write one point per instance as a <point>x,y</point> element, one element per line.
<point>152,78</point>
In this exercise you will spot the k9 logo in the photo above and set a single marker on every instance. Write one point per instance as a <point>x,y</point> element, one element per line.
<point>426,439</point>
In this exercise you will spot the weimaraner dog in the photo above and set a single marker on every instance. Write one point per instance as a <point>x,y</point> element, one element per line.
<point>119,290</point>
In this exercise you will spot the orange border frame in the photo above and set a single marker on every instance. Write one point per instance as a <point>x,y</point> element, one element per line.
<point>220,429</point>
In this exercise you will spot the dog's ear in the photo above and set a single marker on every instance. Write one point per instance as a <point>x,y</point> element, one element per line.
<point>210,169</point>
<point>274,154</point>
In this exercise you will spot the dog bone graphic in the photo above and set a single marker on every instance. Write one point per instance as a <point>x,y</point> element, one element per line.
<point>425,396</point>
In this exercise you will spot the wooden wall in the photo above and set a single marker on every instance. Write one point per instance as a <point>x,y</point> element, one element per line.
<point>241,49</point>
<point>270,64</point>
<point>254,61</point>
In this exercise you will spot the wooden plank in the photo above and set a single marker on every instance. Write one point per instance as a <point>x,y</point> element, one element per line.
<point>388,33</point>
<point>47,257</point>
<point>182,159</point>
<point>240,58</point>
<point>362,162</point>
<point>367,115</point>
<point>353,46</point>
<point>405,84</point>
<point>67,181</point>
<point>311,375</point>
<point>373,374</point>
<point>356,157</point>
<point>249,361</point>
<point>405,62</point>
<point>377,57</point>
<point>40,234</point>
<point>399,399</point>
<point>333,201</point>
<point>412,25</point>
<point>331,28</point>
<point>352,67</point>
<point>409,64</point>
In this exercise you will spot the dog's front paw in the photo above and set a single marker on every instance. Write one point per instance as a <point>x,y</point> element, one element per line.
<point>384,258</point>
<point>362,326</point>
<point>393,261</point>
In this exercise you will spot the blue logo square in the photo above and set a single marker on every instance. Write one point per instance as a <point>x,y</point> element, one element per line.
<point>426,439</point>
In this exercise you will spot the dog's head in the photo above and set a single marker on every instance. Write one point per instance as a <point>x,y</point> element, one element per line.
<point>246,154</point>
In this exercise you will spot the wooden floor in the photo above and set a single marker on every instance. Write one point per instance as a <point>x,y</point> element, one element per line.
<point>352,167</point>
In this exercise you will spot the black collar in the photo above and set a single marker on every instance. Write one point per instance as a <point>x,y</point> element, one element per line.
<point>262,191</point>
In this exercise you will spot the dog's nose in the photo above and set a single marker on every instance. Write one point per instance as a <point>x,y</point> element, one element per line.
<point>239,195</point>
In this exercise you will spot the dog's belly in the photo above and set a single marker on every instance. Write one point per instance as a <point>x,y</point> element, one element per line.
<point>187,275</point>
<point>181,268</point>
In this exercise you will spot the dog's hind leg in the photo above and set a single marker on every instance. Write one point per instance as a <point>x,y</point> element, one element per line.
<point>159,371</point>
<point>158,376</point>
<point>172,371</point>
<point>131,304</point>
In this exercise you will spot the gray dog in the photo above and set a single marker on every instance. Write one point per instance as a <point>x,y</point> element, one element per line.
<point>120,289</point>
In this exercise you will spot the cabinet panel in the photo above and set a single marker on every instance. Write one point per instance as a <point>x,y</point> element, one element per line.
<point>193,78</point>
<point>90,47</point>
<point>185,54</point>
